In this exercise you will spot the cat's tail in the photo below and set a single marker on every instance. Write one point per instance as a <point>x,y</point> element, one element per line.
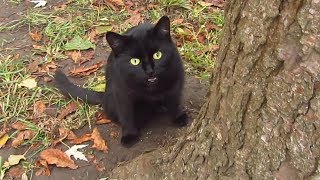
<point>70,90</point>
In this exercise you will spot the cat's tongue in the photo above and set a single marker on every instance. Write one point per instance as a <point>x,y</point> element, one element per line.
<point>152,79</point>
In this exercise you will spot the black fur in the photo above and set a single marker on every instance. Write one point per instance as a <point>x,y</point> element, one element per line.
<point>129,90</point>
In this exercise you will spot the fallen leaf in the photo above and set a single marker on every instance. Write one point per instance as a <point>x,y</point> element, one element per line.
<point>15,172</point>
<point>13,160</point>
<point>36,36</point>
<point>205,4</point>
<point>57,157</point>
<point>29,83</point>
<point>83,138</point>
<point>81,57</point>
<point>177,22</point>
<point>33,66</point>
<point>47,79</point>
<point>77,43</point>
<point>24,176</point>
<point>37,47</point>
<point>39,3</point>
<point>91,36</point>
<point>75,56</point>
<point>24,135</point>
<point>19,126</point>
<point>86,71</point>
<point>116,2</point>
<point>202,38</point>
<point>214,47</point>
<point>45,171</point>
<point>101,118</point>
<point>73,151</point>
<point>98,142</point>
<point>69,134</point>
<point>134,20</point>
<point>38,108</point>
<point>64,133</point>
<point>3,140</point>
<point>4,129</point>
<point>70,108</point>
<point>86,56</point>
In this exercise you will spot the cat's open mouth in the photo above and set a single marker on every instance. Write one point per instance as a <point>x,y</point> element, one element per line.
<point>152,79</point>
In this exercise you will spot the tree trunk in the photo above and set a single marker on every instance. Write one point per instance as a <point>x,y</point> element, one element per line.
<point>262,116</point>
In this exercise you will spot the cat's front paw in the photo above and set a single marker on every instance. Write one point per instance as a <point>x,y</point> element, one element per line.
<point>181,120</point>
<point>129,139</point>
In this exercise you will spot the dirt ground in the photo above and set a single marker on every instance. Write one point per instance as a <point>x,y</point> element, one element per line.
<point>157,133</point>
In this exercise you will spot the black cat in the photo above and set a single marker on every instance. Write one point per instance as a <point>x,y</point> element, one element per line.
<point>143,71</point>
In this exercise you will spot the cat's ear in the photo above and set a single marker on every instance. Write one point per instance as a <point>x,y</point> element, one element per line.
<point>163,26</point>
<point>115,41</point>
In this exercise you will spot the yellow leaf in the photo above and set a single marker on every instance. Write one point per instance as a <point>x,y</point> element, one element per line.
<point>29,83</point>
<point>3,140</point>
<point>13,160</point>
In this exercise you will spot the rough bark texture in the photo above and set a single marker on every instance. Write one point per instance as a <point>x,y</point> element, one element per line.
<point>262,117</point>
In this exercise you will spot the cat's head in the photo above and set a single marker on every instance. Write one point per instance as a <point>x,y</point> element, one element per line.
<point>145,55</point>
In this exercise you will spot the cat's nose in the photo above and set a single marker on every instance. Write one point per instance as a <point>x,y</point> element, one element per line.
<point>150,71</point>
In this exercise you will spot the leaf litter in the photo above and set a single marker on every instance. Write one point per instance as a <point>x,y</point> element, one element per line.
<point>23,135</point>
<point>73,151</point>
<point>57,157</point>
<point>85,71</point>
<point>70,108</point>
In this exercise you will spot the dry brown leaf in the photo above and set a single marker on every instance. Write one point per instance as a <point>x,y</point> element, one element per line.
<point>70,108</point>
<point>86,71</point>
<point>98,142</point>
<point>44,168</point>
<point>64,133</point>
<point>201,38</point>
<point>103,121</point>
<point>135,19</point>
<point>47,79</point>
<point>92,35</point>
<point>4,130</point>
<point>24,135</point>
<point>101,118</point>
<point>19,126</point>
<point>38,108</point>
<point>15,172</point>
<point>37,47</point>
<point>214,48</point>
<point>45,68</point>
<point>177,22</point>
<point>116,2</point>
<point>87,55</point>
<point>83,138</point>
<point>36,36</point>
<point>33,66</point>
<point>75,56</point>
<point>57,157</point>
<point>81,57</point>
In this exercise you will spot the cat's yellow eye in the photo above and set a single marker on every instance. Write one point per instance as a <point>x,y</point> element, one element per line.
<point>134,61</point>
<point>157,55</point>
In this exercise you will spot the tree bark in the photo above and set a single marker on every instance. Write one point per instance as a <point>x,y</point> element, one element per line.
<point>262,116</point>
